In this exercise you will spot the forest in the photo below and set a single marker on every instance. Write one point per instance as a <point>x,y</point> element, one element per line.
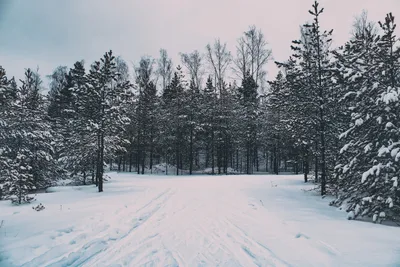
<point>331,113</point>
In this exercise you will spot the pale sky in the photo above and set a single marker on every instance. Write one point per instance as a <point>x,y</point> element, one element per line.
<point>49,33</point>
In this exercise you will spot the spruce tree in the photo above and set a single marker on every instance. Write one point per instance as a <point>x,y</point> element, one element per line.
<point>29,153</point>
<point>368,169</point>
<point>106,98</point>
<point>249,101</point>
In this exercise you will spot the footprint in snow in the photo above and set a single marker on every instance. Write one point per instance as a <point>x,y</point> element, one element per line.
<point>253,206</point>
<point>78,238</point>
<point>302,235</point>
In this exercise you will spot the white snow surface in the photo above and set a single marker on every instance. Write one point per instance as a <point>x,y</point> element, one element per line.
<point>237,220</point>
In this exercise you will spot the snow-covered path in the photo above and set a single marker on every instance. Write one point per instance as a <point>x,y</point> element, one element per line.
<point>192,221</point>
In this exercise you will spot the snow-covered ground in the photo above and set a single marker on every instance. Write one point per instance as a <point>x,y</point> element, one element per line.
<point>191,221</point>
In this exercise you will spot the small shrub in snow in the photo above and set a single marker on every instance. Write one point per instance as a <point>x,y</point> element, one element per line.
<point>39,207</point>
<point>21,199</point>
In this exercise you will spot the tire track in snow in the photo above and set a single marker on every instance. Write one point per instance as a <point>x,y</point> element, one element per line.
<point>202,239</point>
<point>252,248</point>
<point>84,252</point>
<point>148,212</point>
<point>283,236</point>
<point>136,250</point>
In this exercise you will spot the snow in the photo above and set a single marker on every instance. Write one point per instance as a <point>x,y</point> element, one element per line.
<point>344,148</point>
<point>359,122</point>
<point>154,220</point>
<point>365,176</point>
<point>367,148</point>
<point>395,181</point>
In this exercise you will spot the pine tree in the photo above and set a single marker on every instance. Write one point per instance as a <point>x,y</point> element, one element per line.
<point>192,112</point>
<point>146,116</point>
<point>30,161</point>
<point>106,97</point>
<point>368,169</point>
<point>249,102</point>
<point>310,79</point>
<point>276,104</point>
<point>78,143</point>
<point>209,122</point>
<point>173,112</point>
<point>7,113</point>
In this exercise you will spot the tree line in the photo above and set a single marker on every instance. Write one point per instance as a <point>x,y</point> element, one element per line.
<point>331,113</point>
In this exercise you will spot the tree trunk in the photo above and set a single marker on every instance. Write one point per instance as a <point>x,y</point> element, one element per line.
<point>276,167</point>
<point>166,164</point>
<point>257,161</point>
<point>323,162</point>
<point>212,152</point>
<point>306,166</point>
<point>177,156</point>
<point>93,173</point>
<point>248,158</point>
<point>151,155</point>
<point>191,152</point>
<point>98,159</point>
<point>84,177</point>
<point>237,159</point>
<point>101,170</point>
<point>143,161</point>
<point>219,161</point>
<point>138,154</point>
<point>207,156</point>
<point>130,161</point>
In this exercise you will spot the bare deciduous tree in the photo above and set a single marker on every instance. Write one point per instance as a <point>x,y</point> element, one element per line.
<point>193,62</point>
<point>164,68</point>
<point>57,79</point>
<point>144,72</point>
<point>219,58</point>
<point>122,69</point>
<point>252,55</point>
<point>361,25</point>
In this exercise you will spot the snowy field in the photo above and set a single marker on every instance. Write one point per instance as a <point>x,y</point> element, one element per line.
<point>191,221</point>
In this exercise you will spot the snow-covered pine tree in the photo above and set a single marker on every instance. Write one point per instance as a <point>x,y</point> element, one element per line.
<point>194,65</point>
<point>208,122</point>
<point>229,126</point>
<point>61,100</point>
<point>369,168</point>
<point>276,103</point>
<point>173,121</point>
<point>30,154</point>
<point>248,99</point>
<point>146,113</point>
<point>107,98</point>
<point>7,109</point>
<point>78,143</point>
<point>192,115</point>
<point>309,74</point>
<point>320,55</point>
<point>297,101</point>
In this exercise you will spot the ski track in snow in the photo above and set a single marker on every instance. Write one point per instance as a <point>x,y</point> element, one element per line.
<point>205,221</point>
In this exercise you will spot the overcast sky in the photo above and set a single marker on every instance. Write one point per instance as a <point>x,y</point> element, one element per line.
<point>48,33</point>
